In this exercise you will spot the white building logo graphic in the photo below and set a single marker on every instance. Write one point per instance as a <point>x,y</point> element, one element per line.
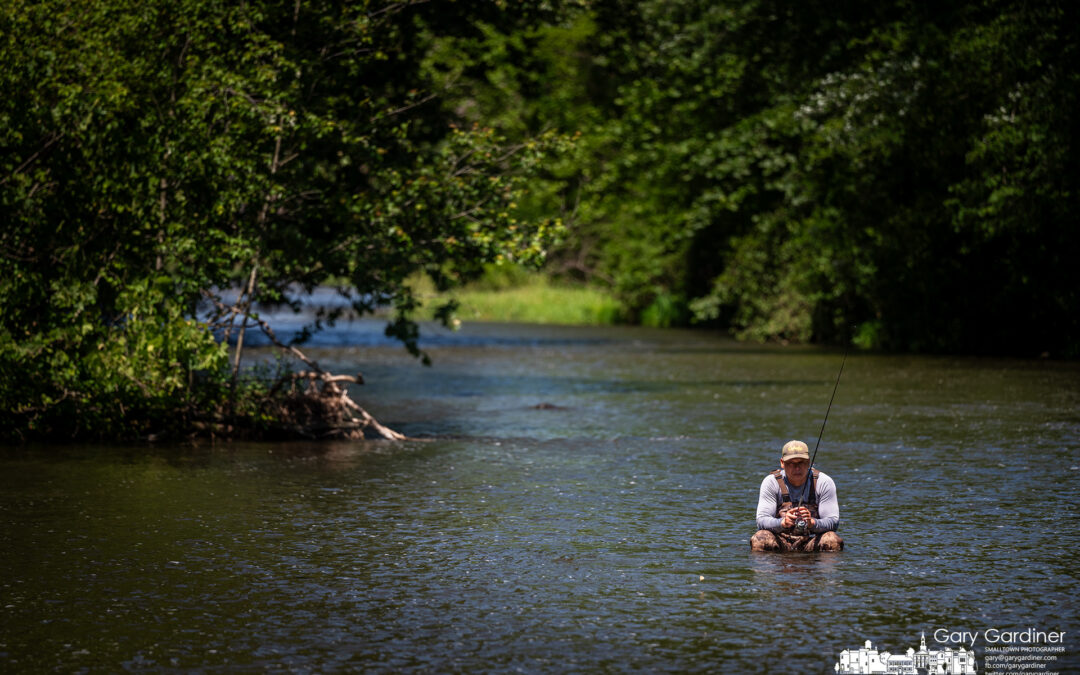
<point>868,660</point>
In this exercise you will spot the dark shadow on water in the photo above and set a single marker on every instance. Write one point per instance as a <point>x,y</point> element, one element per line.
<point>772,562</point>
<point>202,453</point>
<point>729,347</point>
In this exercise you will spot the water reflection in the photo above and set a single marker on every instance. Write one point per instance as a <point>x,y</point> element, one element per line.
<point>785,571</point>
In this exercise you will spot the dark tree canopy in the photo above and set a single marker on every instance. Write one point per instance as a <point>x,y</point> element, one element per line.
<point>899,174</point>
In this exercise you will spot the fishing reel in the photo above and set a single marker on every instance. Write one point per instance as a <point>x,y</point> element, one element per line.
<point>801,526</point>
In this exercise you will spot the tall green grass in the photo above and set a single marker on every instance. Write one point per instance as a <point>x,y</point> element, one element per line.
<point>525,299</point>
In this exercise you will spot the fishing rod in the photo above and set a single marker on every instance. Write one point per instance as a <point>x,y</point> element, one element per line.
<point>831,399</point>
<point>801,524</point>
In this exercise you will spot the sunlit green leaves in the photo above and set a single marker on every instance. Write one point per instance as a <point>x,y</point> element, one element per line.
<point>161,152</point>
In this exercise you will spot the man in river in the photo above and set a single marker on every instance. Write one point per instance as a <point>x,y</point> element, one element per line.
<point>789,495</point>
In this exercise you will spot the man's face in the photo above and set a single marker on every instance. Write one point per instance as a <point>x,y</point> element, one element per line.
<point>796,470</point>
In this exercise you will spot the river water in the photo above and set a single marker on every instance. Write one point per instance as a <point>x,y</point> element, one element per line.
<point>575,499</point>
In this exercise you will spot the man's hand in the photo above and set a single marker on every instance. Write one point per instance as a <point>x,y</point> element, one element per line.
<point>788,521</point>
<point>803,513</point>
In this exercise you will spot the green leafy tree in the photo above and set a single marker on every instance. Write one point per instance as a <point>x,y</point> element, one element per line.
<point>157,155</point>
<point>898,173</point>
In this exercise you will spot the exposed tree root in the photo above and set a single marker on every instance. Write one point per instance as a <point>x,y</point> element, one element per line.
<point>323,409</point>
<point>319,409</point>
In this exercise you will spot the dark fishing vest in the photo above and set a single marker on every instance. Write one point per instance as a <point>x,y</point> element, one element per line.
<point>785,500</point>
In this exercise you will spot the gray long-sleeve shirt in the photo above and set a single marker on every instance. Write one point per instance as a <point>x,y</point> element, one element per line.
<point>770,498</point>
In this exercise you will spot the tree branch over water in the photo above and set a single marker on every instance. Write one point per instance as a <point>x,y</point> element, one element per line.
<point>270,167</point>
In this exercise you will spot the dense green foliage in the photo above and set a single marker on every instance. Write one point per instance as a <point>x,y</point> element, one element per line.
<point>899,173</point>
<point>157,154</point>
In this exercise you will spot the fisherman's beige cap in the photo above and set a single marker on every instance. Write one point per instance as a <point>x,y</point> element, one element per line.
<point>794,450</point>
